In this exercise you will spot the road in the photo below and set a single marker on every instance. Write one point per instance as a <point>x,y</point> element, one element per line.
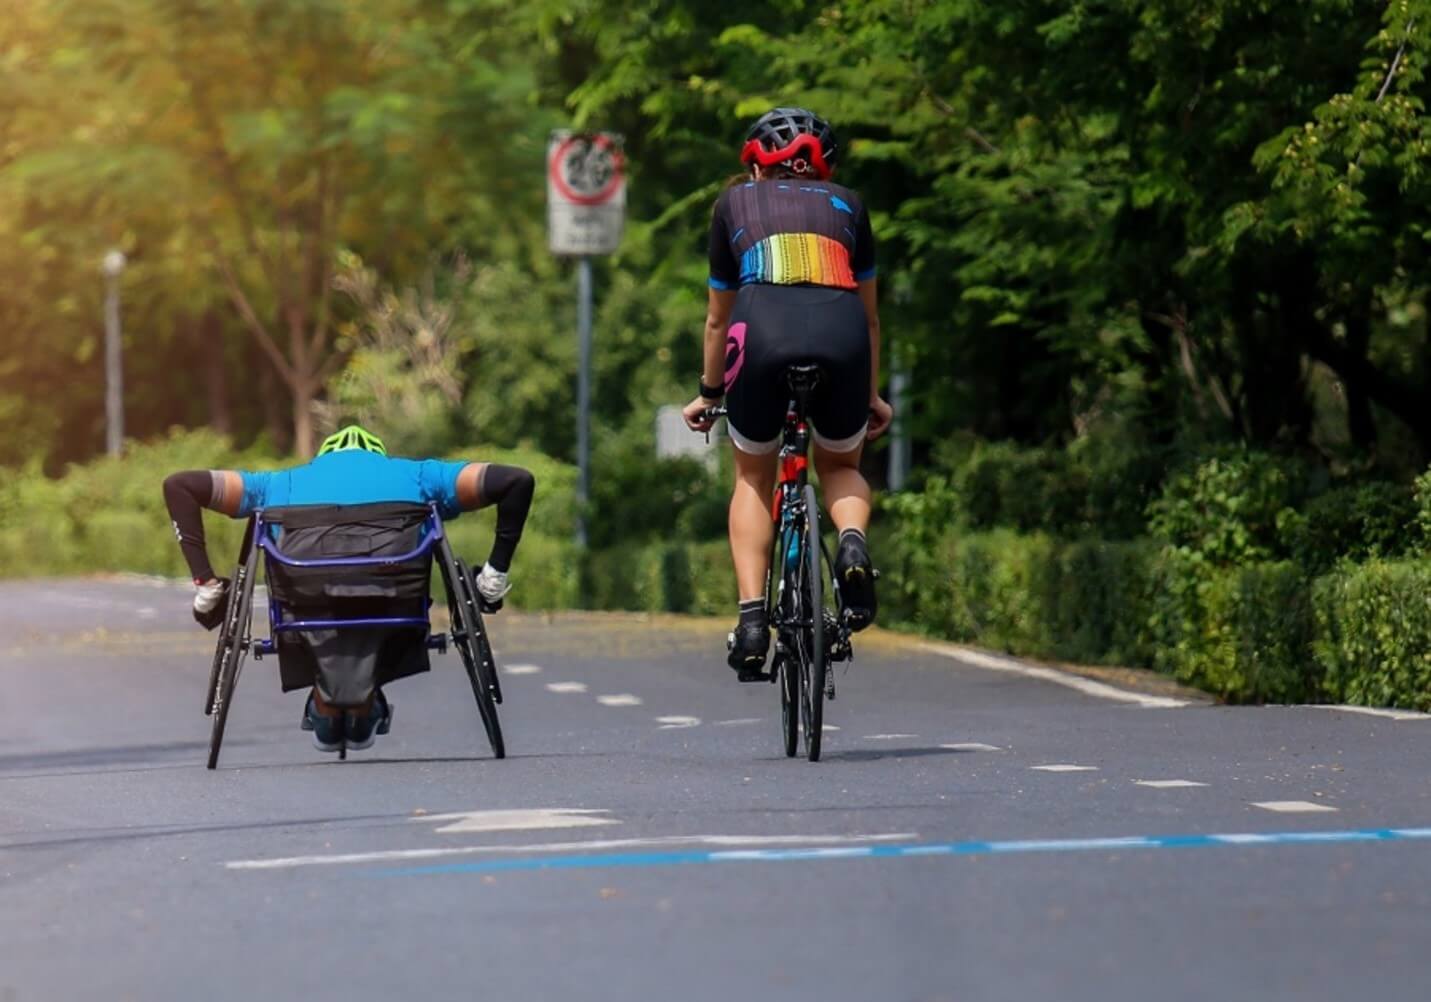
<point>647,839</point>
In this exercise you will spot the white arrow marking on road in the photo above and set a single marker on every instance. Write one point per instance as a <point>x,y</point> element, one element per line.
<point>1064,767</point>
<point>522,669</point>
<point>675,723</point>
<point>566,686</point>
<point>381,856</point>
<point>1168,784</point>
<point>971,746</point>
<point>1292,806</point>
<point>517,820</point>
<point>622,699</point>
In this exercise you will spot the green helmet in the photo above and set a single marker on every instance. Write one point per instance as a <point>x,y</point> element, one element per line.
<point>352,437</point>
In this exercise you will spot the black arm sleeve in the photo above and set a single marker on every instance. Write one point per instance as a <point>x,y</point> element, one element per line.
<point>510,488</point>
<point>185,495</point>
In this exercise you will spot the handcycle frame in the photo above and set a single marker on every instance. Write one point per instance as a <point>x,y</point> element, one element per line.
<point>808,637</point>
<point>468,632</point>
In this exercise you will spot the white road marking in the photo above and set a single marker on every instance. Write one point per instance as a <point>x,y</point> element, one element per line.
<point>1371,711</point>
<point>148,612</point>
<point>521,669</point>
<point>971,746</point>
<point>1293,806</point>
<point>888,737</point>
<point>1064,767</point>
<point>1168,784</point>
<point>290,862</point>
<point>1087,686</point>
<point>829,728</point>
<point>677,722</point>
<point>566,686</point>
<point>738,722</point>
<point>621,699</point>
<point>517,820</point>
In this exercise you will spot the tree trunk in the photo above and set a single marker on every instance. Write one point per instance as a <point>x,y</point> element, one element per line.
<point>303,443</point>
<point>213,358</point>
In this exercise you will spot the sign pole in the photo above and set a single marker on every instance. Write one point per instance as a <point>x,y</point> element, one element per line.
<point>113,358</point>
<point>583,396</point>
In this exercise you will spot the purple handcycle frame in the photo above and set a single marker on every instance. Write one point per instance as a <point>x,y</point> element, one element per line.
<point>266,542</point>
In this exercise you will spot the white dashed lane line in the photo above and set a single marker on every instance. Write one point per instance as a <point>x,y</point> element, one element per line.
<point>739,722</point>
<point>1293,806</point>
<point>521,669</point>
<point>619,699</point>
<point>672,723</point>
<point>1064,767</point>
<point>971,746</point>
<point>565,687</point>
<point>888,737</point>
<point>1168,784</point>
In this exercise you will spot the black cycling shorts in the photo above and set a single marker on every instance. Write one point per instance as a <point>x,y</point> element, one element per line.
<point>775,326</point>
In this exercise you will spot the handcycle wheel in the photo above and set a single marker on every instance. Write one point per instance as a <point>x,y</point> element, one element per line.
<point>487,662</point>
<point>227,628</point>
<point>232,663</point>
<point>231,653</point>
<point>813,657</point>
<point>470,639</point>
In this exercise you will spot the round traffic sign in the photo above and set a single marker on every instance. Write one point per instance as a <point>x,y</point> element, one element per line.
<point>586,169</point>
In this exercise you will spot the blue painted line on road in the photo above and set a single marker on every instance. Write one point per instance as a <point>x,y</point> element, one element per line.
<point>585,861</point>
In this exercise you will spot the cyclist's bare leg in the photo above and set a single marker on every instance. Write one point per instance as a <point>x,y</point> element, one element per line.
<point>847,498</point>
<point>752,533</point>
<point>845,491</point>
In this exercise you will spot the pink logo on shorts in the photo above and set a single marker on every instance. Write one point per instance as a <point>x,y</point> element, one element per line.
<point>734,353</point>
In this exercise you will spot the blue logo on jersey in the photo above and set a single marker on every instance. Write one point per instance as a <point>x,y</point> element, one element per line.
<point>839,203</point>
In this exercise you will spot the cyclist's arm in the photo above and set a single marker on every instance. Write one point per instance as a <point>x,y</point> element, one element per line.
<point>869,296</point>
<point>511,489</point>
<point>719,303</point>
<point>186,494</point>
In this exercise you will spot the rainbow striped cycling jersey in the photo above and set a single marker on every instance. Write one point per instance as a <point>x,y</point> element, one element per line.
<point>790,233</point>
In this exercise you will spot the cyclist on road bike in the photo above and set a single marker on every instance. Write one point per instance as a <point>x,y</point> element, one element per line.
<point>792,280</point>
<point>352,467</point>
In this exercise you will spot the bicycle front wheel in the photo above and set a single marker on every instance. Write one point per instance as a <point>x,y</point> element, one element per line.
<point>813,657</point>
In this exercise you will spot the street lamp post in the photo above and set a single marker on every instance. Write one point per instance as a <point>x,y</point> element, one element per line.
<point>113,266</point>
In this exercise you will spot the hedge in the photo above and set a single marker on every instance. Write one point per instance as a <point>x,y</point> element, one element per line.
<point>1374,633</point>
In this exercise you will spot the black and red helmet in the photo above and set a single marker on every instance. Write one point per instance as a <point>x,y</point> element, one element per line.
<point>793,137</point>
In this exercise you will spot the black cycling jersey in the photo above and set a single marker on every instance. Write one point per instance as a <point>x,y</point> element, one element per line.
<point>790,232</point>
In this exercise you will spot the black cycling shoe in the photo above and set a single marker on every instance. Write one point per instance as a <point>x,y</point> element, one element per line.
<point>857,581</point>
<point>748,646</point>
<point>363,728</point>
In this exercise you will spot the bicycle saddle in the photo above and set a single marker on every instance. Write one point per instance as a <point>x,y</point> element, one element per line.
<point>802,377</point>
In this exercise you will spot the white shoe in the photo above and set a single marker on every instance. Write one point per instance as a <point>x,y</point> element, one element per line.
<point>492,584</point>
<point>208,596</point>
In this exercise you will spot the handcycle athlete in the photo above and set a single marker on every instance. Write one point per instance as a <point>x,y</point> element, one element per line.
<point>792,282</point>
<point>352,468</point>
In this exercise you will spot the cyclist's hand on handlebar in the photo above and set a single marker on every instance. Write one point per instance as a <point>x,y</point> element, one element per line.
<point>881,414</point>
<point>698,416</point>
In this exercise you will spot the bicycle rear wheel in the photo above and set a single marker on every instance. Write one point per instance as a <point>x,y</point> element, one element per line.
<point>813,658</point>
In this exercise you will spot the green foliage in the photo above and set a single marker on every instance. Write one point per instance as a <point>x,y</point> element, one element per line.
<point>1225,510</point>
<point>661,577</point>
<point>1423,509</point>
<point>1352,522</point>
<point>1374,633</point>
<point>1243,633</point>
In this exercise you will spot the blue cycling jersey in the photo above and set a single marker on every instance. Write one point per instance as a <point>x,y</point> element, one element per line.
<point>354,476</point>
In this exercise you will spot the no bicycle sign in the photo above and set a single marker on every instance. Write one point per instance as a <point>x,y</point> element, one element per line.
<point>586,192</point>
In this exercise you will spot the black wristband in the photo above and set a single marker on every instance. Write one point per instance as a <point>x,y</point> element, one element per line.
<point>711,392</point>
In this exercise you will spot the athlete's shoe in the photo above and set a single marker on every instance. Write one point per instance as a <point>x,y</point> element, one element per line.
<point>748,646</point>
<point>327,731</point>
<point>363,728</point>
<point>857,581</point>
<point>210,603</point>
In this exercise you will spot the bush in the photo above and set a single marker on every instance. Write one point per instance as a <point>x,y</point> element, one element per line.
<point>1355,522</point>
<point>1226,509</point>
<point>660,577</point>
<point>1004,485</point>
<point>1244,633</point>
<point>1422,490</point>
<point>1374,633</point>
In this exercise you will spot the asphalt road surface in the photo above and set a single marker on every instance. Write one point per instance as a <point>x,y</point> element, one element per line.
<point>974,832</point>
